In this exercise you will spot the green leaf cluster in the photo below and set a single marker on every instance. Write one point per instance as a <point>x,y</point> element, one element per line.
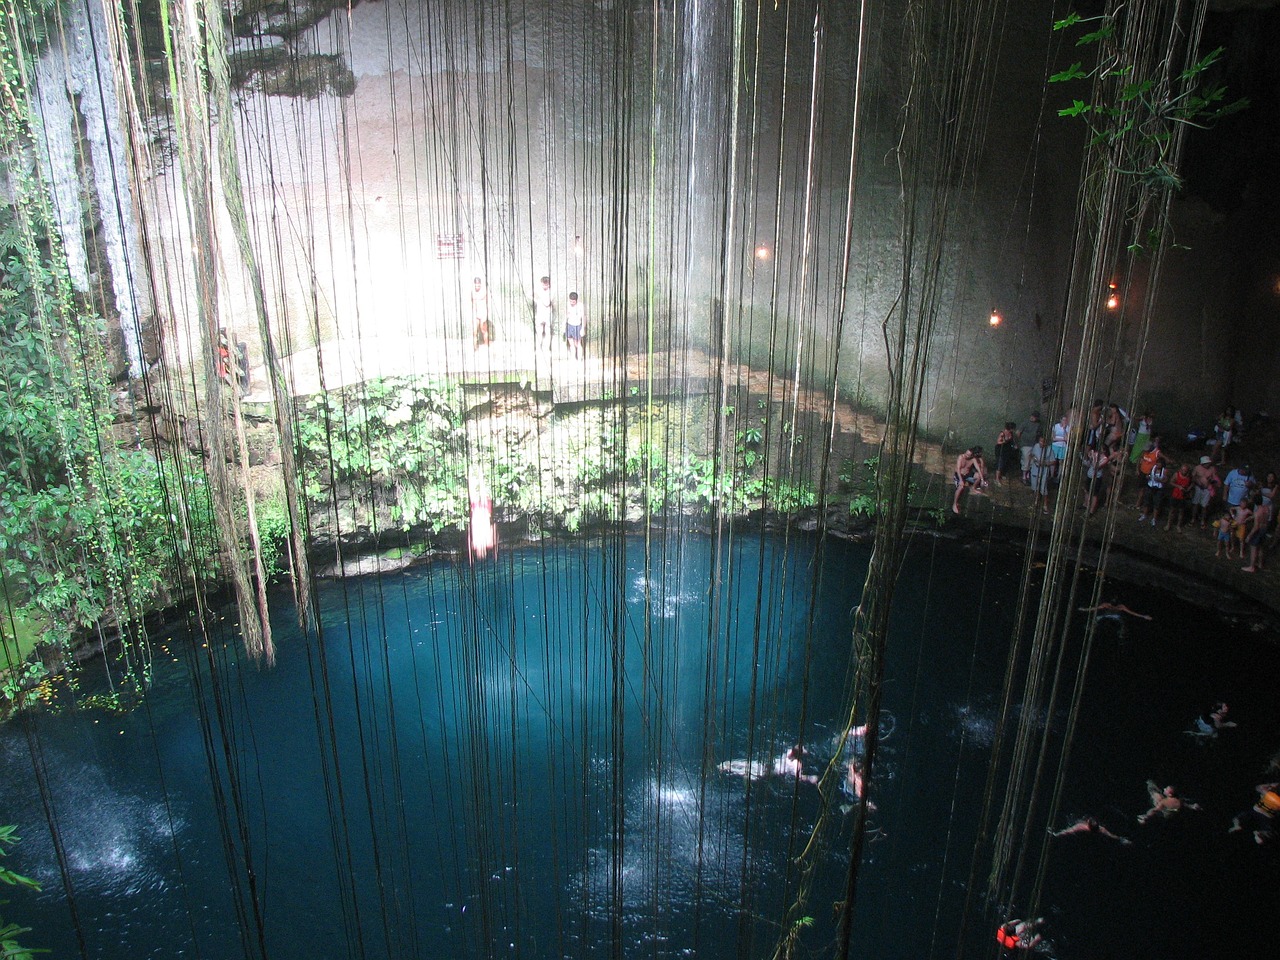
<point>10,949</point>
<point>1135,115</point>
<point>396,440</point>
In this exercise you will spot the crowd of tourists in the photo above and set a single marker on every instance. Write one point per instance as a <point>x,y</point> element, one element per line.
<point>1203,484</point>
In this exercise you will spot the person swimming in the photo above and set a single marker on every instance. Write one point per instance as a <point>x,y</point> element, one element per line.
<point>789,764</point>
<point>1208,724</point>
<point>1112,611</point>
<point>1259,820</point>
<point>1019,934</point>
<point>1089,825</point>
<point>1164,802</point>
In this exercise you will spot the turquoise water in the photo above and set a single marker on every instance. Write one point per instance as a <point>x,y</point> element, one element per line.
<point>521,759</point>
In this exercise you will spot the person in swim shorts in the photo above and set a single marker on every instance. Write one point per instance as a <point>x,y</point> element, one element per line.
<point>970,472</point>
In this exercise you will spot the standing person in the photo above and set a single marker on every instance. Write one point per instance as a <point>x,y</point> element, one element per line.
<point>1179,495</point>
<point>1041,466</point>
<point>1236,485</point>
<point>1028,434</point>
<point>1259,522</point>
<point>1222,431</point>
<point>542,301</point>
<point>970,472</point>
<point>1223,535</point>
<point>1206,482</point>
<point>1150,457</point>
<point>1095,471</point>
<point>1270,487</point>
<point>1241,516</point>
<point>1061,433</point>
<point>1141,437</point>
<point>1116,419</point>
<point>483,331</point>
<point>1006,451</point>
<point>575,319</point>
<point>1157,490</point>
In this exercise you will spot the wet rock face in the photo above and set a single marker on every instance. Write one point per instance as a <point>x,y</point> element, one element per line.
<point>277,71</point>
<point>283,18</point>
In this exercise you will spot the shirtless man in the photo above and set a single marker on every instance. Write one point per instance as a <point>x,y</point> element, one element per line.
<point>970,472</point>
<point>542,313</point>
<point>791,764</point>
<point>1089,825</point>
<point>1205,482</point>
<point>1164,802</point>
<point>1112,611</point>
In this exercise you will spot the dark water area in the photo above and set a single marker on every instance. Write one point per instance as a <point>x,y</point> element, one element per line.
<point>523,760</point>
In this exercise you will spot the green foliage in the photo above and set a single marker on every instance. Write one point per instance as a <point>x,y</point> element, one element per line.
<point>865,503</point>
<point>397,440</point>
<point>273,534</point>
<point>10,949</point>
<point>15,681</point>
<point>84,529</point>
<point>1135,115</point>
<point>111,543</point>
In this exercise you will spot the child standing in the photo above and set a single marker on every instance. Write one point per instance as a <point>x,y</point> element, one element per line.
<point>1224,534</point>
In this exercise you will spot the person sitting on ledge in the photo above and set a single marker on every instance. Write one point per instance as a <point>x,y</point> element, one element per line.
<point>970,472</point>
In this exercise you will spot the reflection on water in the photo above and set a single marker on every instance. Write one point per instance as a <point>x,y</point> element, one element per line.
<point>116,843</point>
<point>529,757</point>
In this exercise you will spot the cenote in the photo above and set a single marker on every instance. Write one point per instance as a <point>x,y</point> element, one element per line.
<point>524,759</point>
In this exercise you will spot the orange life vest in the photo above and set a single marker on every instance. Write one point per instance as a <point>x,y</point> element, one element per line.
<point>1148,460</point>
<point>1006,939</point>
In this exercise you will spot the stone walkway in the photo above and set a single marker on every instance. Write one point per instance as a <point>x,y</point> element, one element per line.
<point>1189,551</point>
<point>691,371</point>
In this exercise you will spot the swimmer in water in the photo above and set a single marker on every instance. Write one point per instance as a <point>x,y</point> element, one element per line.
<point>791,764</point>
<point>1089,825</point>
<point>1165,803</point>
<point>1019,934</point>
<point>855,786</point>
<point>1112,611</point>
<point>1208,724</point>
<point>1259,819</point>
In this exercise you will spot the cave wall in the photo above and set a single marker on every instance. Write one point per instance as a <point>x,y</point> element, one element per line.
<point>588,141</point>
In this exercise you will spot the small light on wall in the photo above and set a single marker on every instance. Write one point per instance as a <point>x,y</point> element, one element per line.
<point>762,252</point>
<point>995,318</point>
<point>1113,300</point>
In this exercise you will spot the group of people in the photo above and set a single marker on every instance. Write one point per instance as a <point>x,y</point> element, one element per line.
<point>794,764</point>
<point>1177,491</point>
<point>575,317</point>
<point>1259,819</point>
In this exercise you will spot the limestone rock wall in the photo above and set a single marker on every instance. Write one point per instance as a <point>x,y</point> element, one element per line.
<point>394,150</point>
